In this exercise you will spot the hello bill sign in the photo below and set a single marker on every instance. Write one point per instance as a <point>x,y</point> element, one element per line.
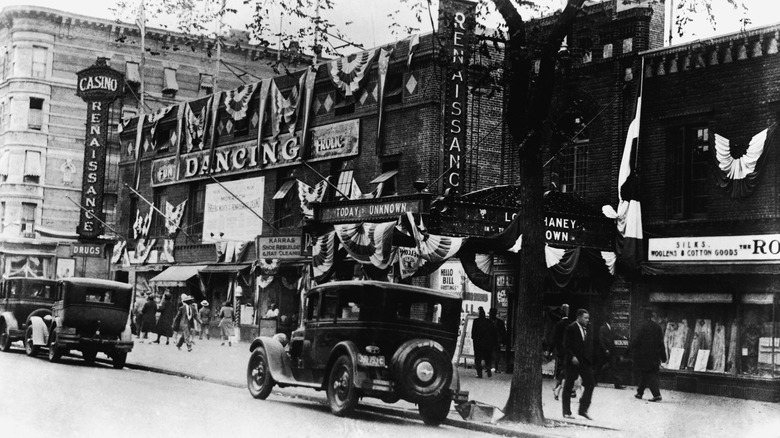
<point>98,86</point>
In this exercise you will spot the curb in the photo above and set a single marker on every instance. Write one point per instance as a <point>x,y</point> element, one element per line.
<point>392,412</point>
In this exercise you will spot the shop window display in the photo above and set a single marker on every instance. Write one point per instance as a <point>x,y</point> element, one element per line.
<point>715,338</point>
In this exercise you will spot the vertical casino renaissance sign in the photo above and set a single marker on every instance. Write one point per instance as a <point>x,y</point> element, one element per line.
<point>98,86</point>
<point>457,20</point>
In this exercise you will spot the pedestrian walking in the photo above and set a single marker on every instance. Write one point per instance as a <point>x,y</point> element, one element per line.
<point>148,316</point>
<point>608,359</point>
<point>205,319</point>
<point>185,321</point>
<point>649,352</point>
<point>140,302</point>
<point>226,322</point>
<point>484,337</point>
<point>578,343</point>
<point>164,325</point>
<point>558,350</point>
<point>500,328</point>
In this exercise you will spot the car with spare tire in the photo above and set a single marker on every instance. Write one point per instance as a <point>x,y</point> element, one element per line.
<point>367,339</point>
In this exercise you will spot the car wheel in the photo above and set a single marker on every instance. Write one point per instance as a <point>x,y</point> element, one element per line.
<point>5,337</point>
<point>434,413</point>
<point>258,375</point>
<point>342,394</point>
<point>422,370</point>
<point>55,352</point>
<point>119,359</point>
<point>29,347</point>
<point>89,354</point>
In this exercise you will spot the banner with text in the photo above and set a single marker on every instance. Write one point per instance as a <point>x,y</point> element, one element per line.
<point>765,247</point>
<point>227,215</point>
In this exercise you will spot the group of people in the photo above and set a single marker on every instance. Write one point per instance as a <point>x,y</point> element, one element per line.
<point>487,336</point>
<point>574,344</point>
<point>186,320</point>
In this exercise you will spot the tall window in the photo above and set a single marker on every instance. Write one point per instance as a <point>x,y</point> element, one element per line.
<point>573,161</point>
<point>40,56</point>
<point>35,115</point>
<point>690,153</point>
<point>287,201</point>
<point>28,217</point>
<point>158,227</point>
<point>132,212</point>
<point>196,206</point>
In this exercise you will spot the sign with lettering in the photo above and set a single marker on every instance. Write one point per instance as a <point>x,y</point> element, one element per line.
<point>228,210</point>
<point>761,247</point>
<point>97,85</point>
<point>369,212</point>
<point>337,140</point>
<point>87,250</point>
<point>278,247</point>
<point>456,21</point>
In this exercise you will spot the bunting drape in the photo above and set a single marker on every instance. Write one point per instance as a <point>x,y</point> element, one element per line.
<point>285,110</point>
<point>368,242</point>
<point>739,175</point>
<point>237,101</point>
<point>347,73</point>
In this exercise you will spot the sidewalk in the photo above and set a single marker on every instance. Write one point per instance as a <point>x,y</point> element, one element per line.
<point>616,413</point>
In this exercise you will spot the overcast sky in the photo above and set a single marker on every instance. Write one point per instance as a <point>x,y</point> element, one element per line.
<point>369,22</point>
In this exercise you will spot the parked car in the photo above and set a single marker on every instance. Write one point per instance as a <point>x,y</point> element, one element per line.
<point>367,339</point>
<point>89,315</point>
<point>22,298</point>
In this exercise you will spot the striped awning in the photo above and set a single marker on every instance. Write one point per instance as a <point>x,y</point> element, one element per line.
<point>176,276</point>
<point>32,163</point>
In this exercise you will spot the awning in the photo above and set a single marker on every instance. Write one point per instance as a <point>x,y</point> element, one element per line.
<point>32,163</point>
<point>206,80</point>
<point>4,160</point>
<point>709,268</point>
<point>284,189</point>
<point>169,80</point>
<point>232,267</point>
<point>176,276</point>
<point>669,297</point>
<point>51,232</point>
<point>384,177</point>
<point>132,73</point>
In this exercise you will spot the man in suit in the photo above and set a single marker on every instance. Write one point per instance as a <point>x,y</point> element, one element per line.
<point>557,346</point>
<point>649,352</point>
<point>578,344</point>
<point>608,360</point>
<point>484,336</point>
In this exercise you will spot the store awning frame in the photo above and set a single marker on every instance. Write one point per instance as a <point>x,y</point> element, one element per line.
<point>226,268</point>
<point>709,268</point>
<point>176,276</point>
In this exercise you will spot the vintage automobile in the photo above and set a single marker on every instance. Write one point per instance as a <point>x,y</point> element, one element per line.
<point>367,339</point>
<point>22,298</point>
<point>89,315</point>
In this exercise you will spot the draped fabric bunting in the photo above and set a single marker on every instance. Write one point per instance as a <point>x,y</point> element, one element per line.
<point>173,216</point>
<point>142,250</point>
<point>564,265</point>
<point>368,242</point>
<point>182,109</point>
<point>262,101</point>
<point>347,73</point>
<point>311,76</point>
<point>237,101</point>
<point>269,266</point>
<point>308,194</point>
<point>414,43</point>
<point>119,250</point>
<point>142,224</point>
<point>478,268</point>
<point>285,110</point>
<point>739,176</point>
<point>213,129</point>
<point>230,251</point>
<point>25,266</point>
<point>434,248</point>
<point>195,123</point>
<point>139,131</point>
<point>167,251</point>
<point>382,65</point>
<point>323,255</point>
<point>154,118</point>
<point>508,240</point>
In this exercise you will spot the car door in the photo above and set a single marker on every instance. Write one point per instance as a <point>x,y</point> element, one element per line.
<point>327,333</point>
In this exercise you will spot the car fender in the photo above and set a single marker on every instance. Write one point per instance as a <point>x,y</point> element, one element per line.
<point>10,321</point>
<point>278,362</point>
<point>349,348</point>
<point>40,330</point>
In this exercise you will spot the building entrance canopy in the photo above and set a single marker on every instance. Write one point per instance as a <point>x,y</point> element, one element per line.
<point>176,276</point>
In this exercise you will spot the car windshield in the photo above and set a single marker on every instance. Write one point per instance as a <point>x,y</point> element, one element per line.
<point>31,290</point>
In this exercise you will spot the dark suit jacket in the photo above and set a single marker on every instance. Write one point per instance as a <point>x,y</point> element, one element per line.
<point>577,347</point>
<point>648,347</point>
<point>606,340</point>
<point>557,337</point>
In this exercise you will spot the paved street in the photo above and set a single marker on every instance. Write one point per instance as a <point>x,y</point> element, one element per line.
<point>616,412</point>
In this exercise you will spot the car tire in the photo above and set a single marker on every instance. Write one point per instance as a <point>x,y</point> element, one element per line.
<point>89,354</point>
<point>55,352</point>
<point>5,337</point>
<point>342,394</point>
<point>434,413</point>
<point>29,347</point>
<point>119,359</point>
<point>258,374</point>
<point>422,370</point>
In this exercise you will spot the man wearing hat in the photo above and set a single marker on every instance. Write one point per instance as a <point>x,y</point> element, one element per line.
<point>205,318</point>
<point>185,321</point>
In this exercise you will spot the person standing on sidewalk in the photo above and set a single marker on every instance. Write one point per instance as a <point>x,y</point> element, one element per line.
<point>185,321</point>
<point>649,352</point>
<point>148,316</point>
<point>500,328</point>
<point>165,323</point>
<point>226,322</point>
<point>608,360</point>
<point>578,343</point>
<point>559,351</point>
<point>483,334</point>
<point>205,319</point>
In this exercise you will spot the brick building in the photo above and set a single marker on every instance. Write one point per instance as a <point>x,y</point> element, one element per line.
<point>42,122</point>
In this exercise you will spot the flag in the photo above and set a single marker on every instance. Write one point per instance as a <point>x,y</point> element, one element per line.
<point>629,213</point>
<point>383,64</point>
<point>413,43</point>
<point>140,18</point>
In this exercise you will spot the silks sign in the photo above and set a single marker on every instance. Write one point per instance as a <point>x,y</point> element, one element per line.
<point>456,21</point>
<point>97,85</point>
<point>337,140</point>
<point>762,247</point>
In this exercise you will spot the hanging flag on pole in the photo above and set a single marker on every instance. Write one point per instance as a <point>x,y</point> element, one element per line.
<point>413,43</point>
<point>382,66</point>
<point>140,18</point>
<point>140,21</point>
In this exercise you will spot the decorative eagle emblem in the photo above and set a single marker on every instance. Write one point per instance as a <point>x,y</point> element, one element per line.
<point>347,73</point>
<point>237,101</point>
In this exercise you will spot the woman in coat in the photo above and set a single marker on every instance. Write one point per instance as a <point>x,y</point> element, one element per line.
<point>148,316</point>
<point>165,323</point>
<point>226,322</point>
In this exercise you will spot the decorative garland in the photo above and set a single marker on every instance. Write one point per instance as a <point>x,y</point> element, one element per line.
<point>237,101</point>
<point>739,175</point>
<point>347,73</point>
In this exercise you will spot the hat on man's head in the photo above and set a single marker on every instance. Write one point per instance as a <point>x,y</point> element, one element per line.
<point>204,303</point>
<point>185,297</point>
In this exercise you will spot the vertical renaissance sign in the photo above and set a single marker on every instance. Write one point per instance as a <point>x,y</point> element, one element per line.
<point>97,85</point>
<point>456,21</point>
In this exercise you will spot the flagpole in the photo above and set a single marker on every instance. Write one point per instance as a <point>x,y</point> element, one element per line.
<point>169,221</point>
<point>141,22</point>
<point>96,218</point>
<point>639,102</point>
